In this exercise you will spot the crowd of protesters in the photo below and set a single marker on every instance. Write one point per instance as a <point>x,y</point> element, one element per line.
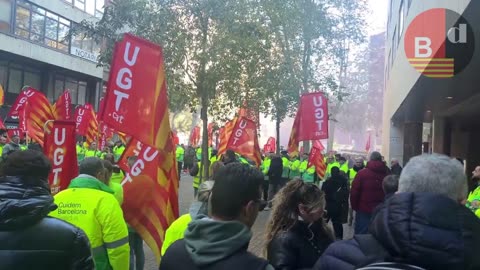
<point>423,218</point>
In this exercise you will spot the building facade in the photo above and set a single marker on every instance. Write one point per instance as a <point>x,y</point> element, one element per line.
<point>423,113</point>
<point>35,49</point>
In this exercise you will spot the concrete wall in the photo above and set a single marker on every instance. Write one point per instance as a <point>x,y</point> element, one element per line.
<point>401,77</point>
<point>64,9</point>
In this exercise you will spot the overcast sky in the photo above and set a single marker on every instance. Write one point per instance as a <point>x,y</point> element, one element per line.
<point>377,22</point>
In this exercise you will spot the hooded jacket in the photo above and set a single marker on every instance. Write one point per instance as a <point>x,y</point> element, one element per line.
<point>32,240</point>
<point>210,245</point>
<point>367,192</point>
<point>423,229</point>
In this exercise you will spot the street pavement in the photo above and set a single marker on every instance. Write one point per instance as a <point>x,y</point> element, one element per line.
<point>256,244</point>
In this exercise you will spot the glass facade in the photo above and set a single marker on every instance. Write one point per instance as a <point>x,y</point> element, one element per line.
<point>40,26</point>
<point>92,7</point>
<point>14,76</point>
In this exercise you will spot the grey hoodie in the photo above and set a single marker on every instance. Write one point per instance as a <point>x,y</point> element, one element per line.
<point>224,239</point>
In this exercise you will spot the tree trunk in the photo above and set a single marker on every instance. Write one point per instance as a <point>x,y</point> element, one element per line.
<point>277,128</point>
<point>204,165</point>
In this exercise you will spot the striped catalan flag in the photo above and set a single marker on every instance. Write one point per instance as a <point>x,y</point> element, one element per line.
<point>35,114</point>
<point>92,126</point>
<point>293,141</point>
<point>225,136</point>
<point>434,67</point>
<point>316,159</point>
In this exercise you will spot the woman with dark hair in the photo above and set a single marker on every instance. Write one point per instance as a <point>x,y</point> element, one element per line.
<point>336,190</point>
<point>25,202</point>
<point>296,233</point>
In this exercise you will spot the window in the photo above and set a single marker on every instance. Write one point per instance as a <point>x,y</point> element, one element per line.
<point>15,83</point>
<point>40,26</point>
<point>5,15</point>
<point>85,47</point>
<point>92,7</point>
<point>77,88</point>
<point>32,79</point>
<point>14,76</point>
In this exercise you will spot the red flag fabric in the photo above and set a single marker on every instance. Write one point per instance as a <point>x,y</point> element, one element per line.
<point>105,134</point>
<point>62,109</point>
<point>60,148</point>
<point>244,140</point>
<point>316,158</point>
<point>19,104</point>
<point>2,125</point>
<point>367,146</point>
<point>225,136</point>
<point>137,79</point>
<point>132,149</point>
<point>151,192</point>
<point>210,133</point>
<point>318,144</point>
<point>313,120</point>
<point>92,133</point>
<point>86,122</point>
<point>293,141</point>
<point>37,111</point>
<point>176,140</point>
<point>270,146</point>
<point>194,136</point>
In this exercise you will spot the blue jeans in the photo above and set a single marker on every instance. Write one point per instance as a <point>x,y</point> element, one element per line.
<point>137,256</point>
<point>362,221</point>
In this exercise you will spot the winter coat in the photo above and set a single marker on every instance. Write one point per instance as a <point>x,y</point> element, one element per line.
<point>275,171</point>
<point>367,192</point>
<point>298,248</point>
<point>336,190</point>
<point>213,245</point>
<point>396,169</point>
<point>423,229</point>
<point>29,239</point>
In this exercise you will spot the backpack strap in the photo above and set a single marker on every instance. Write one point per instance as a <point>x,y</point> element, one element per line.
<point>374,252</point>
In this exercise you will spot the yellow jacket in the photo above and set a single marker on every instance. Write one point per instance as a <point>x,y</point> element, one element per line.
<point>175,231</point>
<point>90,205</point>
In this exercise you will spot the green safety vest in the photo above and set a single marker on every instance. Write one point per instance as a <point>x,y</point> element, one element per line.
<point>294,168</point>
<point>329,168</point>
<point>196,178</point>
<point>180,153</point>
<point>308,174</point>
<point>90,205</point>
<point>286,166</point>
<point>118,152</point>
<point>266,165</point>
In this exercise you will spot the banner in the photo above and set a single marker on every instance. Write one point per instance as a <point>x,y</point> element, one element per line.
<point>270,146</point>
<point>86,122</point>
<point>313,120</point>
<point>244,140</point>
<point>151,192</point>
<point>293,141</point>
<point>194,136</point>
<point>316,159</point>
<point>131,149</point>
<point>62,109</point>
<point>137,80</point>
<point>36,111</point>
<point>105,134</point>
<point>17,107</point>
<point>210,133</point>
<point>225,136</point>
<point>367,146</point>
<point>60,149</point>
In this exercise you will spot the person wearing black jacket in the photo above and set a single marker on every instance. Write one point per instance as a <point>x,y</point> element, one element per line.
<point>336,193</point>
<point>274,178</point>
<point>29,239</point>
<point>296,232</point>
